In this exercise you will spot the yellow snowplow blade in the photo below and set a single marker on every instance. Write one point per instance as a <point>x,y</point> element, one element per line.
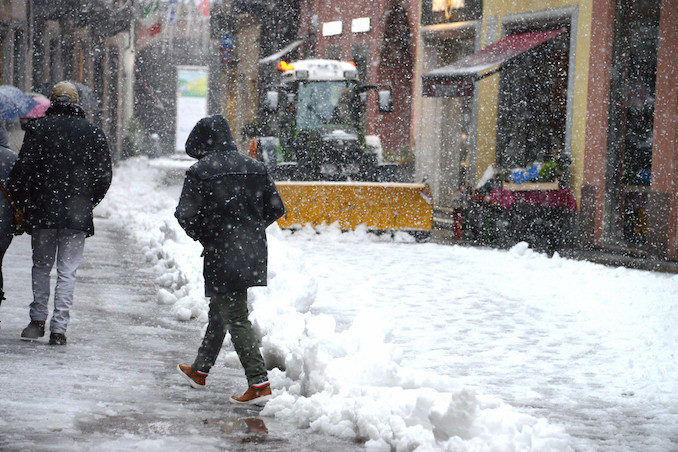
<point>380,206</point>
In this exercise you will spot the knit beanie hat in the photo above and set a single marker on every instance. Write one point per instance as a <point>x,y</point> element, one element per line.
<point>64,92</point>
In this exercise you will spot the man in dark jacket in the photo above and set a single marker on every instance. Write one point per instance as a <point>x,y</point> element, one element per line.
<point>63,172</point>
<point>7,159</point>
<point>226,204</point>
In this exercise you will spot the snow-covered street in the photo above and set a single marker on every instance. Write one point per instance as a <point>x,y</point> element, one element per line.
<point>298,225</point>
<point>114,386</point>
<point>585,346</point>
<point>381,340</point>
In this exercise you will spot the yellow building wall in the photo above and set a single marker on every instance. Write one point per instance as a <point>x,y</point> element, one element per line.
<point>488,89</point>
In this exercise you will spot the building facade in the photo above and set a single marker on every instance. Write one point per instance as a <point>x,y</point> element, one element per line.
<point>588,84</point>
<point>169,35</point>
<point>88,42</point>
<point>13,42</point>
<point>630,179</point>
<point>378,37</point>
<point>460,136</point>
<point>243,32</point>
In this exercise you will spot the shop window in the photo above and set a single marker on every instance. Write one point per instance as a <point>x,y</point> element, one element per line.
<point>637,66</point>
<point>445,11</point>
<point>2,55</point>
<point>456,127</point>
<point>54,60</point>
<point>333,53</point>
<point>631,123</point>
<point>18,58</point>
<point>67,60</point>
<point>360,56</point>
<point>533,103</point>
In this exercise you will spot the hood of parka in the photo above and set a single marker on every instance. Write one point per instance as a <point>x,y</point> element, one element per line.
<point>65,108</point>
<point>210,134</point>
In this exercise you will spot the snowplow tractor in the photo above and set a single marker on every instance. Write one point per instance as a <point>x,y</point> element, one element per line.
<point>319,156</point>
<point>328,154</point>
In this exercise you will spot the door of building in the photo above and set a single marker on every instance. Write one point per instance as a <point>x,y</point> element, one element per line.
<point>456,136</point>
<point>456,128</point>
<point>631,119</point>
<point>114,77</point>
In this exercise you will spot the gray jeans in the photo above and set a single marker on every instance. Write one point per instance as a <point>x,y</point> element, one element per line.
<point>67,246</point>
<point>229,312</point>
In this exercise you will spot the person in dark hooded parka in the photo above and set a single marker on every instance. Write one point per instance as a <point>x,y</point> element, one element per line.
<point>227,201</point>
<point>7,159</point>
<point>63,172</point>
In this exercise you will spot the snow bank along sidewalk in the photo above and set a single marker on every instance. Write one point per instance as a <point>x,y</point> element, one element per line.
<point>350,383</point>
<point>586,346</point>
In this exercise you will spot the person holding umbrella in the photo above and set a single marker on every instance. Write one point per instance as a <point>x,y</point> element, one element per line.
<point>7,159</point>
<point>14,103</point>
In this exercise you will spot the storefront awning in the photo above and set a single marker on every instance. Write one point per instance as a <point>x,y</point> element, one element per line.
<point>458,79</point>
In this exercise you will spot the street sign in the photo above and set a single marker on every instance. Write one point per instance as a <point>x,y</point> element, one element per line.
<point>227,46</point>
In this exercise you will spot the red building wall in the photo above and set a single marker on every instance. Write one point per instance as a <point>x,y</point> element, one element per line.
<point>663,194</point>
<point>387,63</point>
<point>665,155</point>
<point>593,192</point>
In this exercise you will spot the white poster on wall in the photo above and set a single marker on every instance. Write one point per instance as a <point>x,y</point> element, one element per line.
<point>191,100</point>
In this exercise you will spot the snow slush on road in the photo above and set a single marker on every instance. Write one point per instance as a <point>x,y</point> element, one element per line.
<point>343,375</point>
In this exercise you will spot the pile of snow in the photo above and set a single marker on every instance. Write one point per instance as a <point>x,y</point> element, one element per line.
<point>350,383</point>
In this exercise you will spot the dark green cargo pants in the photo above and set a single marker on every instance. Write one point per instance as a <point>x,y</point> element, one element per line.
<point>229,312</point>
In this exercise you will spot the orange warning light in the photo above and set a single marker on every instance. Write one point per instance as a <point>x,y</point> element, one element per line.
<point>283,66</point>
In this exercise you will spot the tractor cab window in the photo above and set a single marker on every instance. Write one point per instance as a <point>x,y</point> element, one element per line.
<point>324,103</point>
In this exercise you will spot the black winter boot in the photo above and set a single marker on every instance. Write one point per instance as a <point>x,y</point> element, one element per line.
<point>57,339</point>
<point>34,330</point>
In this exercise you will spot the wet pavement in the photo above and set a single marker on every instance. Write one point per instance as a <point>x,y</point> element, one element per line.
<point>114,386</point>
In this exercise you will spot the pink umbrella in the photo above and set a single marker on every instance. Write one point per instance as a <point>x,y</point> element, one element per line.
<point>39,110</point>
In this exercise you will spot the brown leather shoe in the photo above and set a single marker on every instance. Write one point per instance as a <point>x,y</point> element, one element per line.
<point>255,395</point>
<point>194,377</point>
